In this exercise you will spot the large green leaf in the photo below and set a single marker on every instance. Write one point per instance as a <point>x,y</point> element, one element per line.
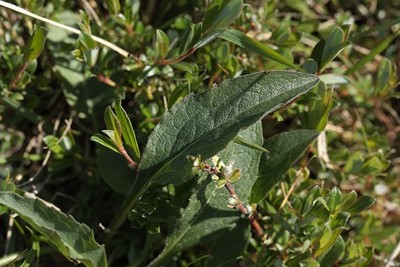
<point>73,239</point>
<point>205,123</point>
<point>207,215</point>
<point>284,150</point>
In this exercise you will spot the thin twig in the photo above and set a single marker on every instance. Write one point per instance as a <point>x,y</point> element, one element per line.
<point>239,205</point>
<point>99,40</point>
<point>18,76</point>
<point>177,59</point>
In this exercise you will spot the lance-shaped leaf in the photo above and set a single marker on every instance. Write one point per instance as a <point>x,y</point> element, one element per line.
<point>113,125</point>
<point>104,141</point>
<point>113,6</point>
<point>72,239</point>
<point>285,149</point>
<point>207,215</point>
<point>204,124</point>
<point>127,130</point>
<point>35,44</point>
<point>221,13</point>
<point>244,41</point>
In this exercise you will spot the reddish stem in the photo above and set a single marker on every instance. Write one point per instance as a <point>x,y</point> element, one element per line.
<point>14,81</point>
<point>254,223</point>
<point>132,163</point>
<point>177,59</point>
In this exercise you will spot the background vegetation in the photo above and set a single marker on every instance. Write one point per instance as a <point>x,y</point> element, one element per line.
<point>53,101</point>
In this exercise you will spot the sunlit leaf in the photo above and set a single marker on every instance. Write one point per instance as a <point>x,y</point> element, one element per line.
<point>35,44</point>
<point>128,133</point>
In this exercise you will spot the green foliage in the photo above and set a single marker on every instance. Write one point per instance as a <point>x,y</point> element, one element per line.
<point>73,239</point>
<point>248,133</point>
<point>201,222</point>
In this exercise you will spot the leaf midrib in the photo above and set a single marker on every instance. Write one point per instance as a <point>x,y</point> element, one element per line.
<point>195,141</point>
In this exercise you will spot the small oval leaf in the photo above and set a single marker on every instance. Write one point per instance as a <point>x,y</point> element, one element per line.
<point>35,44</point>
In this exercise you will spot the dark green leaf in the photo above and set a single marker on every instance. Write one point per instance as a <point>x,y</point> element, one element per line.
<point>115,171</point>
<point>348,200</point>
<point>387,78</point>
<point>127,130</point>
<point>317,51</point>
<point>220,14</point>
<point>204,124</point>
<point>310,66</point>
<point>334,254</point>
<point>295,261</point>
<point>191,37</point>
<point>361,204</point>
<point>284,149</point>
<point>332,47</point>
<point>35,44</point>
<point>354,163</point>
<point>223,251</point>
<point>207,215</point>
<point>72,239</point>
<point>207,39</point>
<point>244,41</point>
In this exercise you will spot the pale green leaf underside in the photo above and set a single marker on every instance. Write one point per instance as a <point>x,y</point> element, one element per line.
<point>207,215</point>
<point>205,123</point>
<point>72,239</point>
